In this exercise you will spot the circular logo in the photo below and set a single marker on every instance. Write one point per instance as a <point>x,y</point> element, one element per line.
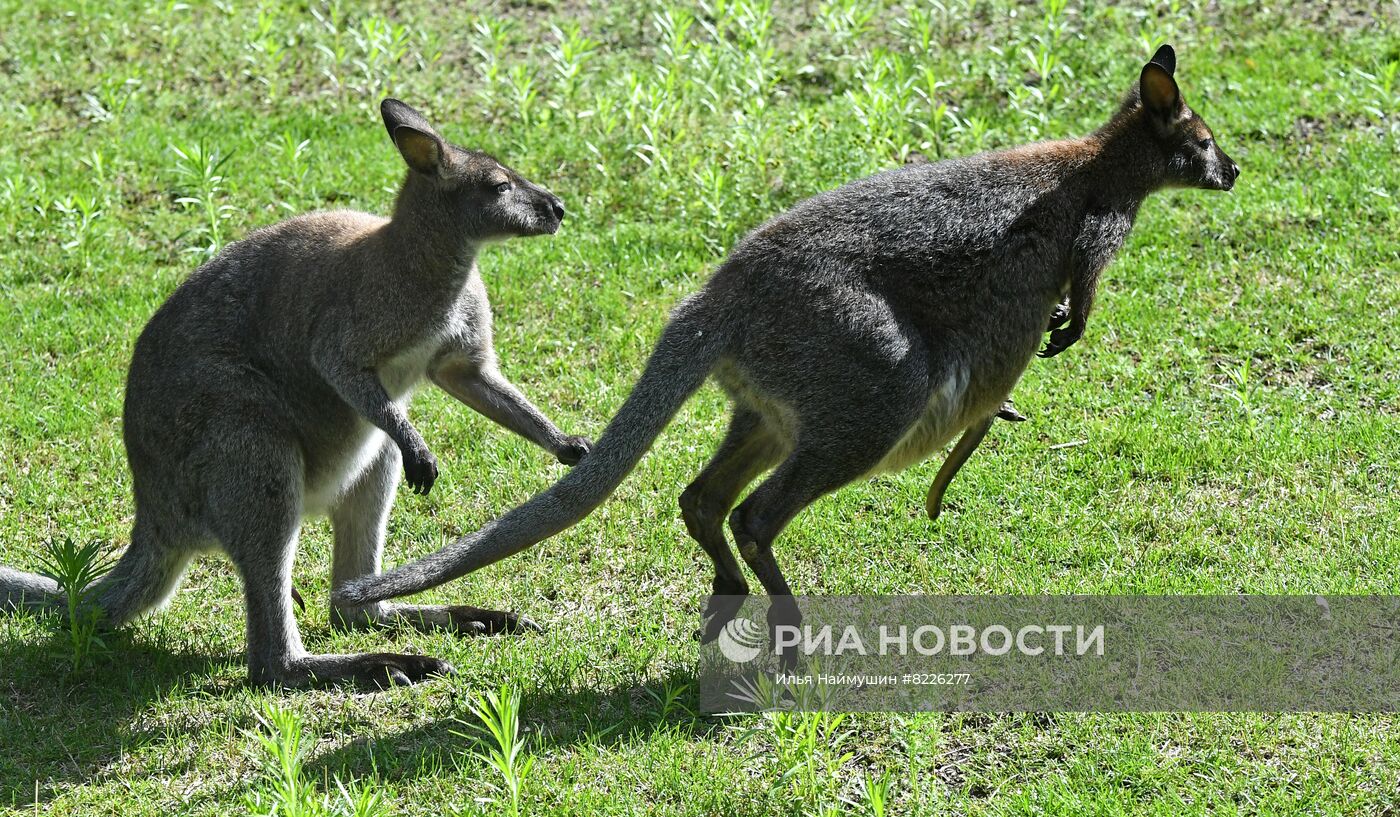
<point>741,640</point>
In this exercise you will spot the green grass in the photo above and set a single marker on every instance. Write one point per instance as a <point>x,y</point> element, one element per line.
<point>1236,394</point>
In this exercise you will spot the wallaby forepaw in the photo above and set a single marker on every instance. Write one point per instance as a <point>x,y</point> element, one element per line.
<point>1058,317</point>
<point>1060,340</point>
<point>574,450</point>
<point>420,470</point>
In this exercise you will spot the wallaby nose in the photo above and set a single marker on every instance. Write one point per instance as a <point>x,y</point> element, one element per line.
<point>558,207</point>
<point>1235,169</point>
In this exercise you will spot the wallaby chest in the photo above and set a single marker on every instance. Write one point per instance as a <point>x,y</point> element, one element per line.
<point>460,319</point>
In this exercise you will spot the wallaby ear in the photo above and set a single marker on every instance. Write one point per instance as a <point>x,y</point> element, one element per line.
<point>1165,57</point>
<point>420,151</point>
<point>1159,93</point>
<point>419,144</point>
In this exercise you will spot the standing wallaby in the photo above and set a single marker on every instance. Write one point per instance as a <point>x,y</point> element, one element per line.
<point>273,384</point>
<point>864,328</point>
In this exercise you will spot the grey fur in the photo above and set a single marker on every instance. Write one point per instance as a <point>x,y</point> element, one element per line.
<point>863,329</point>
<point>273,384</point>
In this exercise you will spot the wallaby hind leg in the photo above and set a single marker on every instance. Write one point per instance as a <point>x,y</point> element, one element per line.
<point>804,476</point>
<point>359,520</point>
<point>748,449</point>
<point>971,438</point>
<point>254,509</point>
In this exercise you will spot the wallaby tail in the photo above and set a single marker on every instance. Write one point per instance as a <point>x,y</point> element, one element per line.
<point>142,579</point>
<point>21,591</point>
<point>688,349</point>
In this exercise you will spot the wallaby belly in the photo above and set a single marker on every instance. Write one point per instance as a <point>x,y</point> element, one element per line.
<point>969,389</point>
<point>943,418</point>
<point>332,470</point>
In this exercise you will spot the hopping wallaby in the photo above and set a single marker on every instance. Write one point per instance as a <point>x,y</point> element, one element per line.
<point>862,329</point>
<point>273,385</point>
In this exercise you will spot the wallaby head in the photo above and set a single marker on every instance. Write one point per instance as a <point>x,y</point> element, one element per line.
<point>471,188</point>
<point>1190,157</point>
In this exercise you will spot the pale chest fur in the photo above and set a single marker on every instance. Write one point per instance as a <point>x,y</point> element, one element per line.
<point>402,373</point>
<point>465,325</point>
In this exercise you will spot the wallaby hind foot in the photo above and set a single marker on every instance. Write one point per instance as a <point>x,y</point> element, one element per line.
<point>366,670</point>
<point>453,618</point>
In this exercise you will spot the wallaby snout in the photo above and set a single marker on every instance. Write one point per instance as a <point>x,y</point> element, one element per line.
<point>1217,170</point>
<point>511,205</point>
<point>1226,173</point>
<point>547,209</point>
<point>1207,167</point>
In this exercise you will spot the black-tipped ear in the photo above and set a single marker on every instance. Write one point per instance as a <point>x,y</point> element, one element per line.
<point>1165,57</point>
<point>419,144</point>
<point>398,114</point>
<point>1159,94</point>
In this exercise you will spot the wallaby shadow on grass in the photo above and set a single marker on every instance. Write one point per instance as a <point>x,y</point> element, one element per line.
<point>60,726</point>
<point>549,718</point>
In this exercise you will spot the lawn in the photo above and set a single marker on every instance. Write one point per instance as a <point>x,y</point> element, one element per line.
<point>1232,413</point>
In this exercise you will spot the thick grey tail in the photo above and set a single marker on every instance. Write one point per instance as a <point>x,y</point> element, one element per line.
<point>683,358</point>
<point>142,579</point>
<point>27,591</point>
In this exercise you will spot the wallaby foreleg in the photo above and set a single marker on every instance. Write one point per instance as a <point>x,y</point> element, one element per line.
<point>971,438</point>
<point>361,388</point>
<point>1100,236</point>
<point>485,390</point>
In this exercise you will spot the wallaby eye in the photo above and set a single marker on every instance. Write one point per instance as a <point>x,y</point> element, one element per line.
<point>503,188</point>
<point>1205,143</point>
